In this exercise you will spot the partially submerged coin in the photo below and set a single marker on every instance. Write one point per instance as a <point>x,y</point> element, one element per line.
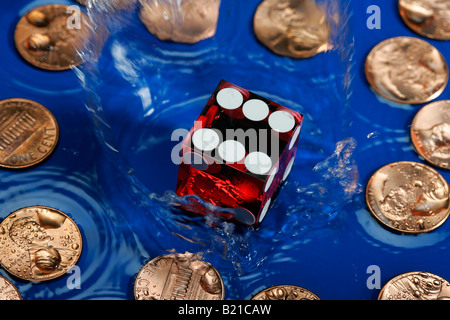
<point>29,133</point>
<point>47,37</point>
<point>428,18</point>
<point>178,277</point>
<point>188,21</point>
<point>415,285</point>
<point>8,290</point>
<point>430,133</point>
<point>39,243</point>
<point>292,28</point>
<point>408,197</point>
<point>406,70</point>
<point>285,292</point>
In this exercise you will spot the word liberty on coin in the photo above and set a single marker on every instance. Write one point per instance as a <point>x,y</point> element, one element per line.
<point>43,38</point>
<point>430,133</point>
<point>29,133</point>
<point>406,70</point>
<point>428,18</point>
<point>285,292</point>
<point>178,277</point>
<point>408,197</point>
<point>39,243</point>
<point>416,286</point>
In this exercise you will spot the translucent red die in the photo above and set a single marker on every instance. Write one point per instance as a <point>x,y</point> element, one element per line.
<point>239,152</point>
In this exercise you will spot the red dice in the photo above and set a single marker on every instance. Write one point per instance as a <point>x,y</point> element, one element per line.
<point>239,152</point>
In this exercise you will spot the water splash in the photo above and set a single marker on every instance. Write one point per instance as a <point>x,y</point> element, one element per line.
<point>135,134</point>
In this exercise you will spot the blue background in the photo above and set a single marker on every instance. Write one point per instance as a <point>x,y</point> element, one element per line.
<point>112,170</point>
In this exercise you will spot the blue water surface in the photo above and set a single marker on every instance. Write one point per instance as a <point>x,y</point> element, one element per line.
<point>113,172</point>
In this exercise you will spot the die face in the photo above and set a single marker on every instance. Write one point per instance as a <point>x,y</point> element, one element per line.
<point>238,150</point>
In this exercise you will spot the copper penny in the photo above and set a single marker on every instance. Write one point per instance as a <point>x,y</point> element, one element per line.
<point>408,197</point>
<point>428,18</point>
<point>46,37</point>
<point>285,292</point>
<point>188,21</point>
<point>29,133</point>
<point>8,291</point>
<point>406,70</point>
<point>39,243</point>
<point>415,285</point>
<point>430,133</point>
<point>292,28</point>
<point>178,277</point>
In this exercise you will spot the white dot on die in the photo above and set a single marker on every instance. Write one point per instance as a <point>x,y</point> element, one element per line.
<point>281,121</point>
<point>205,139</point>
<point>288,169</point>
<point>229,98</point>
<point>231,151</point>
<point>258,162</point>
<point>294,138</point>
<point>270,180</point>
<point>264,210</point>
<point>255,110</point>
<point>244,216</point>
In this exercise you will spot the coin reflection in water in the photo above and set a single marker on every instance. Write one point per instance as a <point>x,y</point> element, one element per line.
<point>416,286</point>
<point>293,28</point>
<point>429,18</point>
<point>406,70</point>
<point>430,133</point>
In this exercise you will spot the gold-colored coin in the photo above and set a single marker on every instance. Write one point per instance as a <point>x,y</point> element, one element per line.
<point>292,28</point>
<point>29,133</point>
<point>8,291</point>
<point>188,21</point>
<point>178,277</point>
<point>430,133</point>
<point>406,70</point>
<point>285,292</point>
<point>408,197</point>
<point>47,37</point>
<point>415,285</point>
<point>428,18</point>
<point>39,243</point>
